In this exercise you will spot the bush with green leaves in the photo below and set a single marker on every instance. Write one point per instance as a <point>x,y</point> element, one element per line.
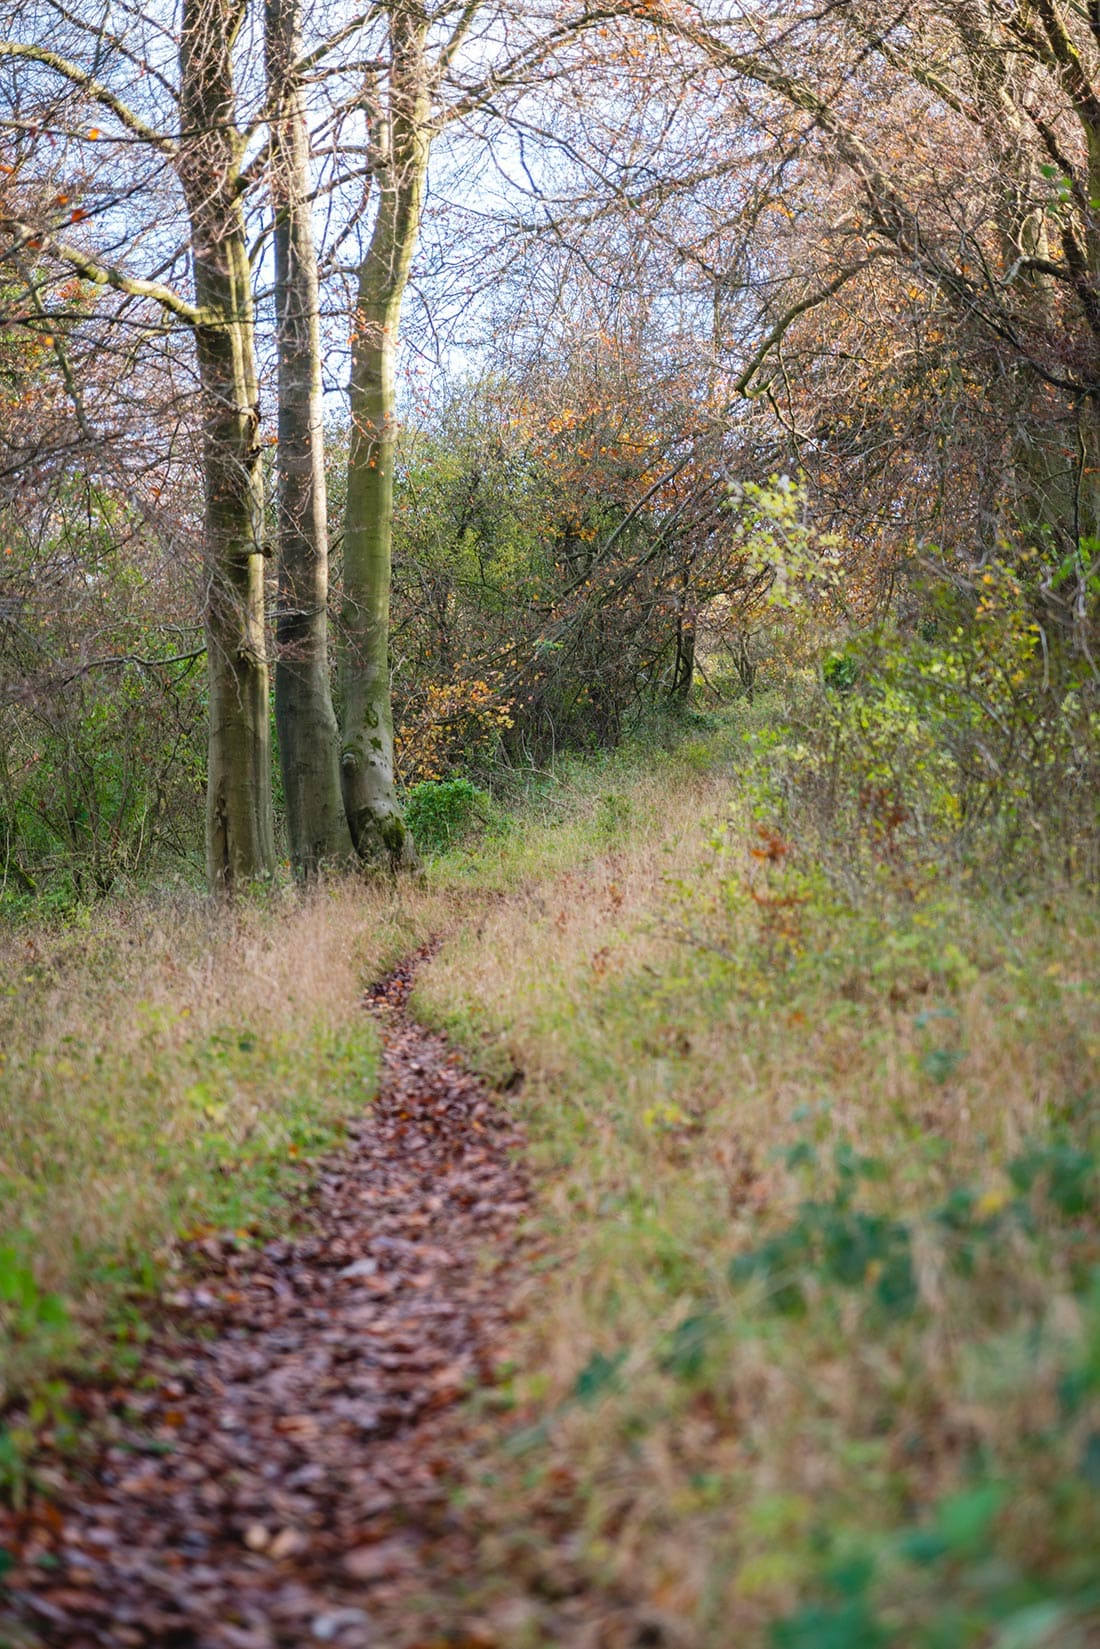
<point>439,812</point>
<point>972,737</point>
<point>102,701</point>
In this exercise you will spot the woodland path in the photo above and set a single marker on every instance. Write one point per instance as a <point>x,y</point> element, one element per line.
<point>277,1475</point>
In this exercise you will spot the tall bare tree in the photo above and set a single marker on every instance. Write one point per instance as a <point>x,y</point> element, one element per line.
<point>317,826</point>
<point>239,823</point>
<point>205,156</point>
<point>401,142</point>
<point>441,66</point>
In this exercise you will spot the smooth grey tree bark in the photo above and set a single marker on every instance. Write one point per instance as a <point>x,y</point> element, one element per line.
<point>309,748</point>
<point>402,143</point>
<point>206,155</point>
<point>407,116</point>
<point>240,845</point>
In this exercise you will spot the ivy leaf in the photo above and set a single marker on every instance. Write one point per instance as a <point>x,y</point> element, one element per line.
<point>597,1376</point>
<point>965,1520</point>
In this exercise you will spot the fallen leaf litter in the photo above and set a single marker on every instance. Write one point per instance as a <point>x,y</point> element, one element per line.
<point>276,1476</point>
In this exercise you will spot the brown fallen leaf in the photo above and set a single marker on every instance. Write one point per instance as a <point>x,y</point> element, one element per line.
<point>378,1562</point>
<point>287,1427</point>
<point>287,1543</point>
<point>297,1425</point>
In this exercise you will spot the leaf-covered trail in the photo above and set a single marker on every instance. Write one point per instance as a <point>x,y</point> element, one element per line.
<point>277,1476</point>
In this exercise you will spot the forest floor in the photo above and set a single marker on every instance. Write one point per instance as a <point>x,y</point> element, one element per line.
<point>279,1471</point>
<point>750,1293</point>
<point>282,1463</point>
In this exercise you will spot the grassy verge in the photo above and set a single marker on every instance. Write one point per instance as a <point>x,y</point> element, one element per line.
<point>814,1344</point>
<point>166,1069</point>
<point>818,1356</point>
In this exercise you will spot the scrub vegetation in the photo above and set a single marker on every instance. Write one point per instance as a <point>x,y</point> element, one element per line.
<point>813,1348</point>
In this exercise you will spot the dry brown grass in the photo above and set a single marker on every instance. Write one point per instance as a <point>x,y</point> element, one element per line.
<point>664,1089</point>
<point>685,1015</point>
<point>171,1065</point>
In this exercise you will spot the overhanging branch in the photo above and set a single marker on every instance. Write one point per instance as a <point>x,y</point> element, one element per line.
<point>25,237</point>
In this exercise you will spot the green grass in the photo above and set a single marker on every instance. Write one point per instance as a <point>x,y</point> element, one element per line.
<point>167,1070</point>
<point>812,1359</point>
<point>820,1349</point>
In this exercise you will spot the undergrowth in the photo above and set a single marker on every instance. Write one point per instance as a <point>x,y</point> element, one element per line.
<point>816,1354</point>
<point>805,1006</point>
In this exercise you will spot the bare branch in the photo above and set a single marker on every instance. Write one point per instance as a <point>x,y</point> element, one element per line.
<point>91,87</point>
<point>101,274</point>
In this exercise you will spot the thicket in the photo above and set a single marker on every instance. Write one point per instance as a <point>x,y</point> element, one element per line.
<point>556,537</point>
<point>962,711</point>
<point>101,705</point>
<point>555,541</point>
<point>967,734</point>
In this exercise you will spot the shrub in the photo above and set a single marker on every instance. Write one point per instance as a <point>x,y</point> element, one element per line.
<point>440,812</point>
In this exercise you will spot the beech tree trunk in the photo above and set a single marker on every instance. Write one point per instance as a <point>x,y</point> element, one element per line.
<point>309,740</point>
<point>402,144</point>
<point>240,844</point>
